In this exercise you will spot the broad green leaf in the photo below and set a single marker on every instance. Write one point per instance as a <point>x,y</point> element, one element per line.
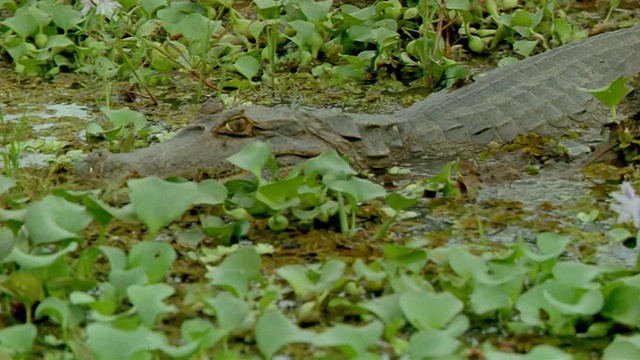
<point>150,6</point>
<point>360,189</point>
<point>315,10</point>
<point>386,308</point>
<point>29,261</point>
<point>107,342</point>
<point>274,330</point>
<point>612,94</point>
<point>442,309</point>
<point>464,263</point>
<point>148,302</point>
<point>155,257</point>
<point>622,305</point>
<point>7,241</point>
<point>23,23</point>
<point>125,116</point>
<point>54,308</point>
<point>16,341</point>
<point>314,279</point>
<point>25,287</point>
<point>486,298</point>
<point>550,246</point>
<point>458,5</point>
<point>103,213</point>
<point>54,219</point>
<point>328,163</point>
<point>589,303</point>
<point>211,192</point>
<point>524,47</point>
<point>429,344</point>
<point>154,210</point>
<point>623,348</point>
<point>577,274</point>
<point>405,257</point>
<point>6,183</point>
<point>232,314</point>
<point>65,16</point>
<point>353,341</point>
<point>399,202</point>
<point>248,66</point>
<point>236,270</point>
<point>253,158</point>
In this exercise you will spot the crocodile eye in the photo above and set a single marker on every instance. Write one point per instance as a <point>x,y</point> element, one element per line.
<point>237,124</point>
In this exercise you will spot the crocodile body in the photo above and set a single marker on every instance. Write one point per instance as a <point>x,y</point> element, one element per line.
<point>540,94</point>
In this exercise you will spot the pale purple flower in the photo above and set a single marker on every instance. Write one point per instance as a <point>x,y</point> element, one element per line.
<point>627,205</point>
<point>108,8</point>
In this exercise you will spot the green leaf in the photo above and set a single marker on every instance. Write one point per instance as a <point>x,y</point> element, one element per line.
<point>443,308</point>
<point>274,330</point>
<point>252,158</point>
<point>577,275</point>
<point>155,257</point>
<point>148,302</point>
<point>612,94</point>
<point>108,342</point>
<point>54,308</point>
<point>232,313</point>
<point>399,202</point>
<point>7,241</point>
<point>54,219</point>
<point>155,211</point>
<point>236,270</point>
<point>360,189</point>
<point>124,117</point>
<point>29,261</point>
<point>248,66</point>
<point>623,348</point>
<point>23,23</point>
<point>314,279</point>
<point>150,6</point>
<point>524,47</point>
<point>315,10</point>
<point>16,341</point>
<point>429,344</point>
<point>211,192</point>
<point>6,183</point>
<point>622,305</point>
<point>353,341</point>
<point>66,17</point>
<point>328,163</point>
<point>458,4</point>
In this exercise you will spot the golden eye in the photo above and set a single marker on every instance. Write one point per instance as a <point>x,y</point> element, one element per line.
<point>236,124</point>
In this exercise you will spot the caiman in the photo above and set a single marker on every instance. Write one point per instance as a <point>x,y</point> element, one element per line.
<point>538,94</point>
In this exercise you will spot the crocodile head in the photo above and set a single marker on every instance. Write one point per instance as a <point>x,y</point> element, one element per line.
<point>200,149</point>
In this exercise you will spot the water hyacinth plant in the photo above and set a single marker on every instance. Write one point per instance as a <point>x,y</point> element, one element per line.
<point>627,206</point>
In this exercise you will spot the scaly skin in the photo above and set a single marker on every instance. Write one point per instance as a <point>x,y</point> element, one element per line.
<point>539,94</point>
